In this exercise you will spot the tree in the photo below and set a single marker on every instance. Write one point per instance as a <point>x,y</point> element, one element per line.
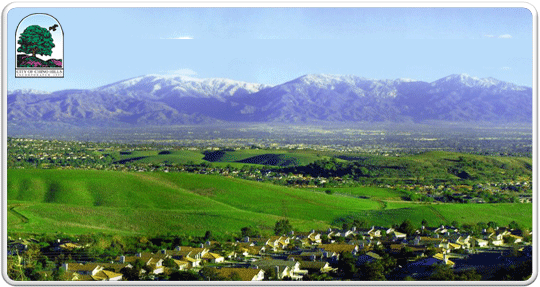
<point>249,232</point>
<point>210,274</point>
<point>373,271</point>
<point>130,274</point>
<point>360,223</point>
<point>169,262</point>
<point>184,276</point>
<point>282,227</point>
<point>208,235</point>
<point>36,40</point>
<point>58,274</point>
<point>347,265</point>
<point>493,224</point>
<point>442,273</point>
<point>514,225</point>
<point>407,227</point>
<point>234,276</point>
<point>469,275</point>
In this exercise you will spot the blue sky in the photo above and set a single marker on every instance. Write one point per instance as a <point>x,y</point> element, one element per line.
<point>275,45</point>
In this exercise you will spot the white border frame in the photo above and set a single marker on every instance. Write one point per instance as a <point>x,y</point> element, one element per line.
<point>267,4</point>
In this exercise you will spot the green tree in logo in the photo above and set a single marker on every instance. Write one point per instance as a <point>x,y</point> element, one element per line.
<point>36,40</point>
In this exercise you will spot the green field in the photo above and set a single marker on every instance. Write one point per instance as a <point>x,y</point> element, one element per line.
<point>81,201</point>
<point>236,158</point>
<point>436,214</point>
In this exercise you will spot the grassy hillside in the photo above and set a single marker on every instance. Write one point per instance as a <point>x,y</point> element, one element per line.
<point>154,156</point>
<point>435,214</point>
<point>428,167</point>
<point>236,158</point>
<point>79,201</point>
<point>83,199</point>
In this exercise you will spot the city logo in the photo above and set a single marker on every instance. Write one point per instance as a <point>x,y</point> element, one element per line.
<point>39,47</point>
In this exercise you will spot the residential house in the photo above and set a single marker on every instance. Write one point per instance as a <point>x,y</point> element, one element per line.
<point>314,238</point>
<point>194,252</point>
<point>332,251</point>
<point>213,257</point>
<point>398,235</point>
<point>282,268</point>
<point>70,246</point>
<point>514,238</point>
<point>250,249</point>
<point>441,230</point>
<point>481,242</point>
<point>106,275</point>
<point>192,255</point>
<point>374,233</point>
<point>429,241</point>
<point>316,266</point>
<point>181,264</point>
<point>277,242</point>
<point>154,261</point>
<point>116,267</point>
<point>312,255</point>
<point>437,259</point>
<point>91,272</point>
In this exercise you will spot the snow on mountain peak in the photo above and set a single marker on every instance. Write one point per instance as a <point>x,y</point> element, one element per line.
<point>161,85</point>
<point>28,91</point>
<point>470,81</point>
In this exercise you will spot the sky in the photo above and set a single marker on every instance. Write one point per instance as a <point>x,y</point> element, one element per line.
<point>276,45</point>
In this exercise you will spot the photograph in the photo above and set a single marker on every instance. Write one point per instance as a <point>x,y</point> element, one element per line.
<point>344,143</point>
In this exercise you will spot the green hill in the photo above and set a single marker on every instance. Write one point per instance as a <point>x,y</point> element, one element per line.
<point>428,167</point>
<point>79,201</point>
<point>118,201</point>
<point>219,157</point>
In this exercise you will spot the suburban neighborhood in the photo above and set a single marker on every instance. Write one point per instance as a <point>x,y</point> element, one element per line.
<point>373,253</point>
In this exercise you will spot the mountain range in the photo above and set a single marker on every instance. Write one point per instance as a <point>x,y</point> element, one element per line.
<point>316,98</point>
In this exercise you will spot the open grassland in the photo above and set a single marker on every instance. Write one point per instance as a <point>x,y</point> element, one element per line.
<point>433,167</point>
<point>366,192</point>
<point>154,156</point>
<point>264,157</point>
<point>236,158</point>
<point>452,165</point>
<point>74,219</point>
<point>436,214</point>
<point>81,201</point>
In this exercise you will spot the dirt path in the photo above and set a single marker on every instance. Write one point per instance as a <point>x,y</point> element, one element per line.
<point>439,215</point>
<point>23,218</point>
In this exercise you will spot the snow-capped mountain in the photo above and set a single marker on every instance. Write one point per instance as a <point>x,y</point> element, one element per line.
<point>474,82</point>
<point>162,86</point>
<point>156,99</point>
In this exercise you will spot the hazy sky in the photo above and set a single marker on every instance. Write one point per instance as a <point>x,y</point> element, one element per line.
<point>275,45</point>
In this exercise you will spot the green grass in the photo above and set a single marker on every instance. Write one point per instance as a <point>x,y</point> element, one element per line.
<point>72,219</point>
<point>370,192</point>
<point>236,158</point>
<point>268,198</point>
<point>81,201</point>
<point>78,200</point>
<point>174,156</point>
<point>444,166</point>
<point>436,214</point>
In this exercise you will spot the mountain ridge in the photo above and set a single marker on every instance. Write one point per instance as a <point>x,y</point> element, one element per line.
<point>173,99</point>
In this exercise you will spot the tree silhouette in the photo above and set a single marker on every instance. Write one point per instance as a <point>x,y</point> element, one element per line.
<point>36,40</point>
<point>282,227</point>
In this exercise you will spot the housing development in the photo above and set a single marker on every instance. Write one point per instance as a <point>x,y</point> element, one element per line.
<point>376,253</point>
